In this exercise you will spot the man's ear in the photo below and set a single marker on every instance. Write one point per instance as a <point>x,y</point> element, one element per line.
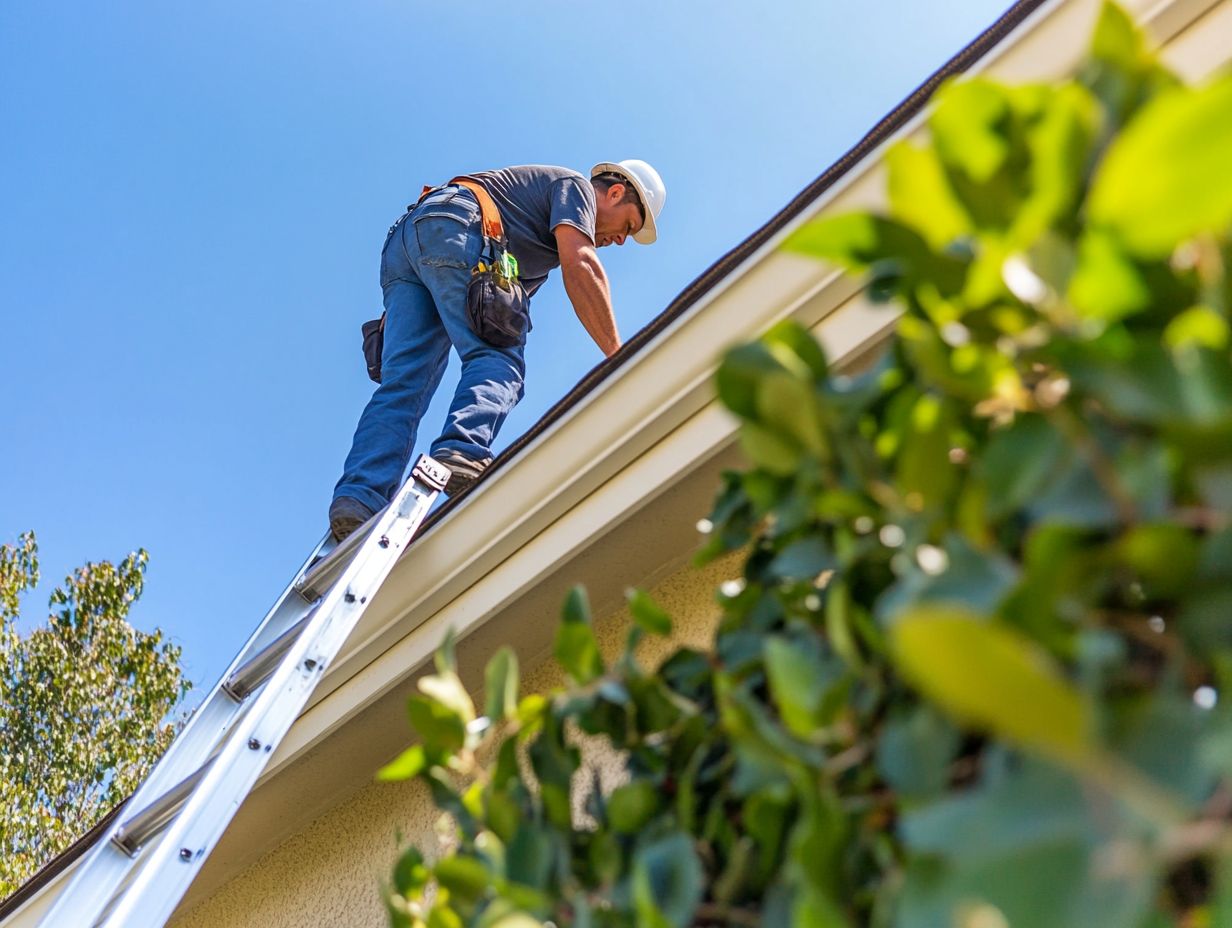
<point>615,194</point>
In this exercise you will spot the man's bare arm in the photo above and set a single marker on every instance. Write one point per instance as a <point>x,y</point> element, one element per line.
<point>587,287</point>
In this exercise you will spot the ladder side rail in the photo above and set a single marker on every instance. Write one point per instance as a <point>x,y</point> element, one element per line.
<point>106,865</point>
<point>176,859</point>
<point>217,712</point>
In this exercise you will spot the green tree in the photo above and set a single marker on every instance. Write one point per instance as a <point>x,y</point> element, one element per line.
<point>84,705</point>
<point>975,672</point>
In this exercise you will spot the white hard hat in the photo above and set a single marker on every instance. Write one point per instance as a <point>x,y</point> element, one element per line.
<point>649,186</point>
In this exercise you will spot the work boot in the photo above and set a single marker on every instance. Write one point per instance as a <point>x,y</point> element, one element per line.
<point>346,514</point>
<point>463,471</point>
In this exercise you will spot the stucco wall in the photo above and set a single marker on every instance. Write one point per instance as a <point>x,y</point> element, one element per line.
<point>329,874</point>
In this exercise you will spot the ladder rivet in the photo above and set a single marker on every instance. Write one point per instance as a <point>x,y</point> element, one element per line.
<point>384,542</point>
<point>185,854</point>
<point>254,744</point>
<point>309,664</point>
<point>349,597</point>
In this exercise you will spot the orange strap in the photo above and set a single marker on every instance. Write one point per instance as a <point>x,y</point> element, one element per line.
<point>493,228</point>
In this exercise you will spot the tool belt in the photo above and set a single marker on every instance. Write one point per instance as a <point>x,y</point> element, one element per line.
<point>497,306</point>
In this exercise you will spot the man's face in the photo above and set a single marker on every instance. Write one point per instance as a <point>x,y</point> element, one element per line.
<point>615,221</point>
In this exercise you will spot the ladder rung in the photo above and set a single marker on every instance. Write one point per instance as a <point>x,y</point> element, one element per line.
<point>251,674</point>
<point>158,814</point>
<point>318,578</point>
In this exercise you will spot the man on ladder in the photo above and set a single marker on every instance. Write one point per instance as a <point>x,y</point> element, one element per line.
<point>459,268</point>
<point>450,276</point>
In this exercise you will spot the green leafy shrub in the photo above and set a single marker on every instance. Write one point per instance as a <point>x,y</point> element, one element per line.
<point>85,701</point>
<point>972,674</point>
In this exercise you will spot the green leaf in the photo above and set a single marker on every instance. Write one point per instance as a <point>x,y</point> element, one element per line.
<point>1060,140</point>
<point>605,858</point>
<point>789,405</point>
<point>915,752</point>
<point>1198,326</point>
<point>1121,71</point>
<point>410,763</point>
<point>1029,848</point>
<point>770,450</point>
<point>1165,728</point>
<point>967,127</point>
<point>818,838</point>
<point>410,873</point>
<point>442,916</point>
<point>1116,39</point>
<point>898,254</point>
<point>531,855</point>
<point>813,909</point>
<point>516,920</point>
<point>465,878</point>
<point>740,372</point>
<point>798,684</point>
<point>1165,179</point>
<point>924,470</point>
<point>447,689</point>
<point>921,196</point>
<point>440,727</point>
<point>647,614</point>
<point>501,684</point>
<point>1164,556</point>
<point>576,648</point>
<point>1106,285</point>
<point>793,344</point>
<point>991,677</point>
<point>631,806</point>
<point>802,560</point>
<point>1141,380</point>
<point>767,816</point>
<point>667,881</point>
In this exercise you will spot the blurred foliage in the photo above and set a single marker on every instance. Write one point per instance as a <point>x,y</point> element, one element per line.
<point>972,673</point>
<point>84,705</point>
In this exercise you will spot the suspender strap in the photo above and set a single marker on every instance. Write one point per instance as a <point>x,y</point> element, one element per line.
<point>493,228</point>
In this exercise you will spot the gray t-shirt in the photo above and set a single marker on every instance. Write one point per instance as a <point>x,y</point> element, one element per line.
<point>533,200</point>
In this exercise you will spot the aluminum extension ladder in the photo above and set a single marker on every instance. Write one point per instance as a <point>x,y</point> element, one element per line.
<point>136,874</point>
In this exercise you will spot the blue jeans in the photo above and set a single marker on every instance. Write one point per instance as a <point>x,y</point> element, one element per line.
<point>425,268</point>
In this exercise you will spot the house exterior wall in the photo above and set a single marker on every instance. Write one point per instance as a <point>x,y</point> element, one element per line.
<point>330,873</point>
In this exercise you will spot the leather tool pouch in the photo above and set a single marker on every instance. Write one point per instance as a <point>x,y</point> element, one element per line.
<point>374,345</point>
<point>497,306</point>
<point>496,302</point>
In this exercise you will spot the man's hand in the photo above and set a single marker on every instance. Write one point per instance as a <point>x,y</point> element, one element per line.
<point>587,286</point>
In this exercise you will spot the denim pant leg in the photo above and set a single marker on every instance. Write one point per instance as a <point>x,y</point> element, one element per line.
<point>491,383</point>
<point>416,350</point>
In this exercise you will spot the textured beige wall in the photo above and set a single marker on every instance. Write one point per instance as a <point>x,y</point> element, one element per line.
<point>329,874</point>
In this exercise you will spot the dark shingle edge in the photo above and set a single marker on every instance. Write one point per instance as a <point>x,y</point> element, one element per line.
<point>703,284</point>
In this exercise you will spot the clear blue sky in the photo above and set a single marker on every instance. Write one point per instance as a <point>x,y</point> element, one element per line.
<point>194,196</point>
